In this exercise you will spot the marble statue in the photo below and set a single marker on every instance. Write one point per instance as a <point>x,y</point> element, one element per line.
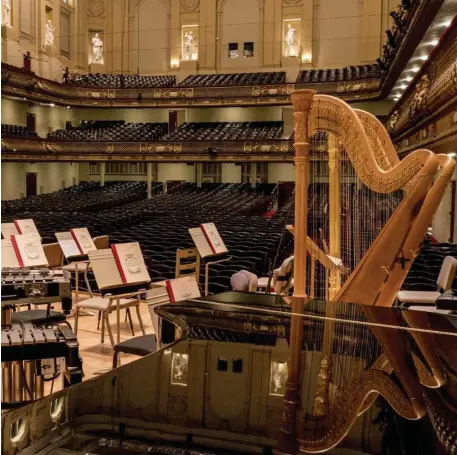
<point>49,34</point>
<point>291,44</point>
<point>189,46</point>
<point>97,50</point>
<point>6,13</point>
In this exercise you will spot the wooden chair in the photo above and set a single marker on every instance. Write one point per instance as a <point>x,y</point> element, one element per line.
<point>54,255</point>
<point>101,242</point>
<point>184,264</point>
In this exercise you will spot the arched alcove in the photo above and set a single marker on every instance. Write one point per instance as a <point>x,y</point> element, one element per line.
<point>150,40</point>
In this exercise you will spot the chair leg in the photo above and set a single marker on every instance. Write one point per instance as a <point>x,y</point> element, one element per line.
<point>76,320</point>
<point>108,326</point>
<point>129,315</point>
<point>103,325</point>
<point>98,322</point>
<point>139,319</point>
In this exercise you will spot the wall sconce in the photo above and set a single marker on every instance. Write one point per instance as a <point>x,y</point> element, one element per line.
<point>174,64</point>
<point>306,58</point>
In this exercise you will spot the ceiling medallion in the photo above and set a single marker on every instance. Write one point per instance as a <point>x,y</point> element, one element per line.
<point>96,7</point>
<point>190,5</point>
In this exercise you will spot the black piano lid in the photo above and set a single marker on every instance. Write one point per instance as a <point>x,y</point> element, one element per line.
<point>212,390</point>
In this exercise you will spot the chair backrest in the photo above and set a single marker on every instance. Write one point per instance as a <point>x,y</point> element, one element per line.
<point>188,263</point>
<point>54,255</point>
<point>156,296</point>
<point>447,273</point>
<point>101,242</point>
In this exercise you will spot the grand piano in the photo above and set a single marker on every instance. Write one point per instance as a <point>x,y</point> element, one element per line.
<point>217,385</point>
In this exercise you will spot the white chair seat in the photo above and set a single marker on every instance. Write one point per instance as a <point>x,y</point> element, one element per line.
<point>425,297</point>
<point>82,266</point>
<point>101,304</point>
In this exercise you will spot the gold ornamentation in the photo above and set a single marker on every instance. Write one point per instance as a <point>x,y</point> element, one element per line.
<point>321,402</point>
<point>96,7</point>
<point>418,102</point>
<point>190,5</point>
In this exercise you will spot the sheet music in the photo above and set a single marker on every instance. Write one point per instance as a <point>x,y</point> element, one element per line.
<point>214,238</point>
<point>130,262</point>
<point>105,268</point>
<point>183,288</point>
<point>68,244</point>
<point>9,229</point>
<point>83,240</point>
<point>29,251</point>
<point>201,243</point>
<point>9,258</point>
<point>26,227</point>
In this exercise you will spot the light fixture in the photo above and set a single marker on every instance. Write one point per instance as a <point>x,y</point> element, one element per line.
<point>446,23</point>
<point>434,42</point>
<point>396,97</point>
<point>403,86</point>
<point>51,104</point>
<point>415,69</point>
<point>68,107</point>
<point>408,78</point>
<point>452,154</point>
<point>174,64</point>
<point>423,57</point>
<point>306,58</point>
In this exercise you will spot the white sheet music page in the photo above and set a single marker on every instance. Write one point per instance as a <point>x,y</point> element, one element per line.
<point>214,238</point>
<point>68,244</point>
<point>201,243</point>
<point>9,229</point>
<point>26,227</point>
<point>83,240</point>
<point>9,258</point>
<point>29,251</point>
<point>130,262</point>
<point>183,288</point>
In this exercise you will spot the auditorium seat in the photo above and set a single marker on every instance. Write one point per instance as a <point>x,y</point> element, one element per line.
<point>122,81</point>
<point>234,79</point>
<point>226,131</point>
<point>17,131</point>
<point>338,75</point>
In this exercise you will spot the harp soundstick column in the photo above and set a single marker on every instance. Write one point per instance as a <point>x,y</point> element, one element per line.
<point>321,402</point>
<point>301,101</point>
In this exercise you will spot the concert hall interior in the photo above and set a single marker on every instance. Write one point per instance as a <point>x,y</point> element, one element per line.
<point>229,227</point>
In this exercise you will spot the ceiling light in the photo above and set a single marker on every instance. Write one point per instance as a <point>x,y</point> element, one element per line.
<point>408,78</point>
<point>68,107</point>
<point>446,23</point>
<point>452,154</point>
<point>403,86</point>
<point>51,104</point>
<point>397,97</point>
<point>434,42</point>
<point>423,57</point>
<point>415,69</point>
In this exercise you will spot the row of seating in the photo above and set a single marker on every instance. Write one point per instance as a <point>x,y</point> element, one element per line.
<point>338,75</point>
<point>160,225</point>
<point>85,197</point>
<point>122,81</point>
<point>16,131</point>
<point>234,79</point>
<point>112,131</point>
<point>226,131</point>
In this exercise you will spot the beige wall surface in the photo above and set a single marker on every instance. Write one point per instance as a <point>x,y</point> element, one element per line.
<point>148,36</point>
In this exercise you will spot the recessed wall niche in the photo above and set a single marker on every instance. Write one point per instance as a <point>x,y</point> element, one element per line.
<point>179,368</point>
<point>96,48</point>
<point>189,49</point>
<point>291,40</point>
<point>278,378</point>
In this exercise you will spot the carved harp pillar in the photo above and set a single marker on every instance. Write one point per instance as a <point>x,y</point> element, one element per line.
<point>301,101</point>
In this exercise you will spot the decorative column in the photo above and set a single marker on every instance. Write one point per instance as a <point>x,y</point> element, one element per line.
<point>149,169</point>
<point>321,403</point>
<point>301,102</point>
<point>198,174</point>
<point>253,174</point>
<point>102,174</point>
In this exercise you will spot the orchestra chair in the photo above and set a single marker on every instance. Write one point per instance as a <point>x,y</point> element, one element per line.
<point>444,282</point>
<point>146,344</point>
<point>108,303</point>
<point>39,317</point>
<point>101,242</point>
<point>54,255</point>
<point>244,281</point>
<point>188,263</point>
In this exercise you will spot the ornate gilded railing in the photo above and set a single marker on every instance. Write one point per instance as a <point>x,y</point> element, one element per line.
<point>15,81</point>
<point>20,149</point>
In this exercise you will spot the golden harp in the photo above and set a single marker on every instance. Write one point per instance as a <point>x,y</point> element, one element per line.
<point>378,209</point>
